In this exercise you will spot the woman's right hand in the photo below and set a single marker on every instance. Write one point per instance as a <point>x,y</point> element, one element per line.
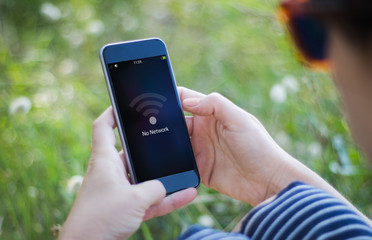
<point>235,154</point>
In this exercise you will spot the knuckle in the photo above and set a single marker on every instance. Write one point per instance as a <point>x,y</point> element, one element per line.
<point>215,97</point>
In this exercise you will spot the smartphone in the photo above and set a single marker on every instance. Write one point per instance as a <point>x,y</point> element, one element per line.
<point>149,113</point>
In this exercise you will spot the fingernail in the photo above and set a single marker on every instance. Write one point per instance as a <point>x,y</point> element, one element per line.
<point>191,102</point>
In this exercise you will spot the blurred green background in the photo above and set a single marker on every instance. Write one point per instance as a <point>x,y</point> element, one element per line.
<point>52,88</point>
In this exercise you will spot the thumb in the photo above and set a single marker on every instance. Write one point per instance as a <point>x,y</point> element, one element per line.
<point>152,192</point>
<point>215,105</point>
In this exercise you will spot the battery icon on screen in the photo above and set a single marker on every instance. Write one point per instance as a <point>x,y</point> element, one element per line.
<point>163,57</point>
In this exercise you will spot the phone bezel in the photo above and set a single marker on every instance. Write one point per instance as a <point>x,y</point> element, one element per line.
<point>132,50</point>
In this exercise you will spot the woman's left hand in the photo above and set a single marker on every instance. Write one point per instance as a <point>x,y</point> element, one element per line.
<point>108,206</point>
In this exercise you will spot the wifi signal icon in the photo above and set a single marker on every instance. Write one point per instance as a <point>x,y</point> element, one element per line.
<point>149,104</point>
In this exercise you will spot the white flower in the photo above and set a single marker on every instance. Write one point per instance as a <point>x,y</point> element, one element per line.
<point>50,11</point>
<point>75,37</point>
<point>347,170</point>
<point>45,97</point>
<point>282,139</point>
<point>315,149</point>
<point>74,183</point>
<point>344,166</point>
<point>32,191</point>
<point>67,66</point>
<point>290,83</point>
<point>206,220</point>
<point>95,27</point>
<point>20,105</point>
<point>220,207</point>
<point>278,93</point>
<point>323,130</point>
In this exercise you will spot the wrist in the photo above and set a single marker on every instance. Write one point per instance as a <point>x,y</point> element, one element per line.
<point>291,170</point>
<point>269,180</point>
<point>285,171</point>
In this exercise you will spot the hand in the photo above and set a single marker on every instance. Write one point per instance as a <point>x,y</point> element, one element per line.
<point>235,154</point>
<point>107,206</point>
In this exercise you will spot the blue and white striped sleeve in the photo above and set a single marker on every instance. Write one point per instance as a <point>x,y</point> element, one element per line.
<point>300,211</point>
<point>198,232</point>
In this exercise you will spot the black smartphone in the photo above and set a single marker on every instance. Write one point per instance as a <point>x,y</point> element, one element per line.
<point>149,113</point>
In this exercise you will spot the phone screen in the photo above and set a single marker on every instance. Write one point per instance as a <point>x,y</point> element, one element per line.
<point>152,120</point>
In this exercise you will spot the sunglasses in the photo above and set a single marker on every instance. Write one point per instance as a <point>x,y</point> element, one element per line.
<point>308,32</point>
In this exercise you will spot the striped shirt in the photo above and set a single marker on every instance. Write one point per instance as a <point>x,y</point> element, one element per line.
<point>300,211</point>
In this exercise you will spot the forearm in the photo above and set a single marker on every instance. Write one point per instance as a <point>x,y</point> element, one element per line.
<point>296,171</point>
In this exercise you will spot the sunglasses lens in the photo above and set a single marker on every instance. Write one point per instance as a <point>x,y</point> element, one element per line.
<point>310,36</point>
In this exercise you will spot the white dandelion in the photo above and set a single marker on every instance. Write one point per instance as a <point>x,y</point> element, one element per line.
<point>278,93</point>
<point>74,36</point>
<point>206,220</point>
<point>220,207</point>
<point>290,83</point>
<point>74,183</point>
<point>67,66</point>
<point>45,97</point>
<point>95,27</point>
<point>50,11</point>
<point>20,105</point>
<point>315,149</point>
<point>344,166</point>
<point>32,191</point>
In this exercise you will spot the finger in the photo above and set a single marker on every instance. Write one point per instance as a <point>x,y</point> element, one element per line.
<point>171,203</point>
<point>126,168</point>
<point>103,134</point>
<point>105,158</point>
<point>123,160</point>
<point>190,124</point>
<point>218,106</point>
<point>152,192</point>
<point>188,93</point>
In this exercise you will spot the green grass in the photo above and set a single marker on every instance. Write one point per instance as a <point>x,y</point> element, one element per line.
<point>236,48</point>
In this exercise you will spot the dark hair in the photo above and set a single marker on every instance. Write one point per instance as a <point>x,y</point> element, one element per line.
<point>352,17</point>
